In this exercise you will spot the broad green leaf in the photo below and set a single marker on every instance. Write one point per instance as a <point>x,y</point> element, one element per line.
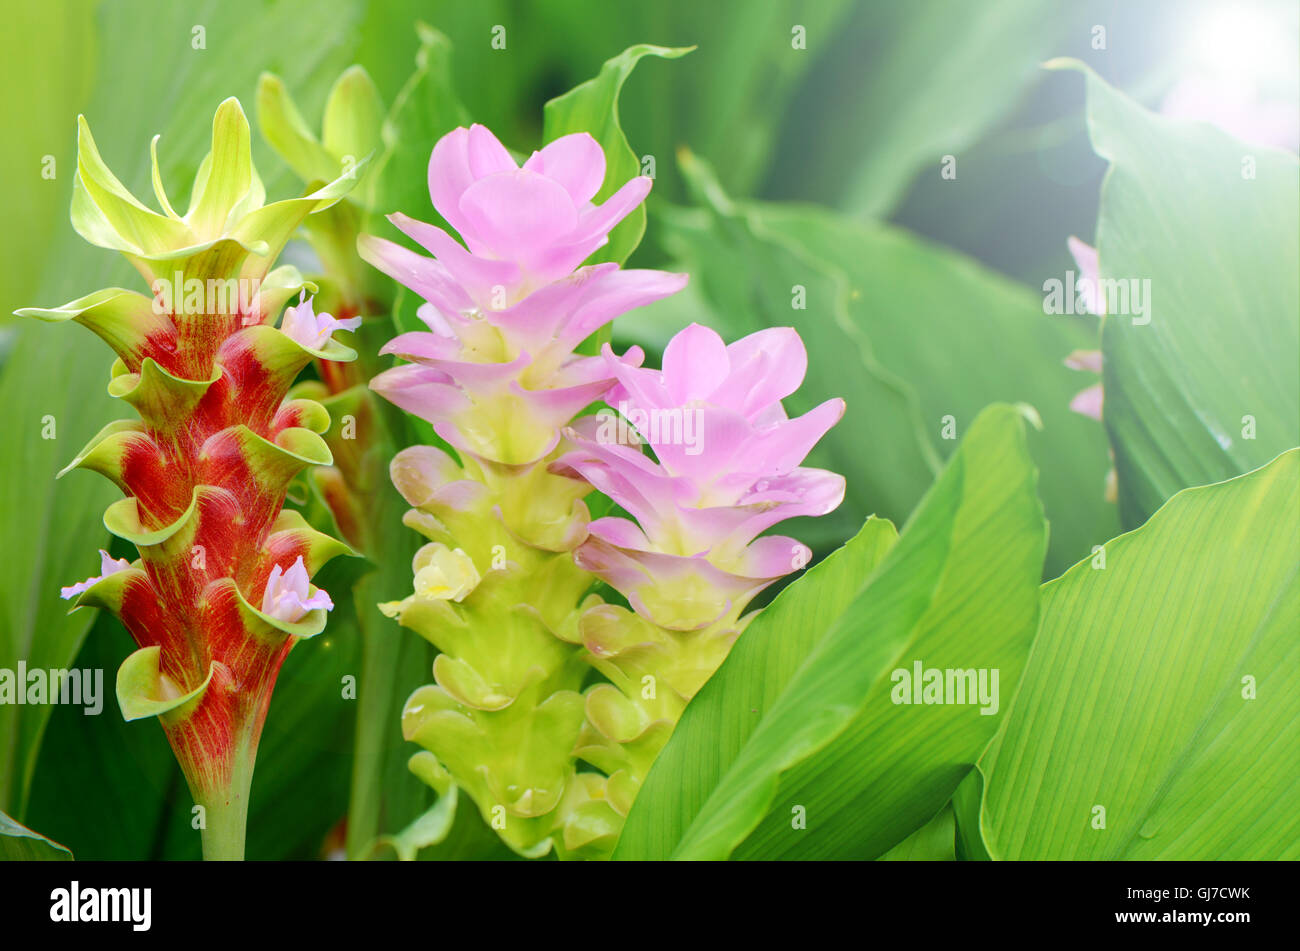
<point>966,801</point>
<point>815,671</point>
<point>729,100</point>
<point>909,334</point>
<point>910,84</point>
<point>1162,690</point>
<point>933,842</point>
<point>38,175</point>
<point>425,110</point>
<point>593,108</point>
<point>124,774</point>
<point>895,765</point>
<point>1202,382</point>
<point>778,640</point>
<point>20,844</point>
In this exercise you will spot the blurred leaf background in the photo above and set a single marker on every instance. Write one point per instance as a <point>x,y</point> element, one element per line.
<point>800,144</point>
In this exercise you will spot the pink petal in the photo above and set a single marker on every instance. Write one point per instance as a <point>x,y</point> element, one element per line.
<point>601,220</point>
<point>695,364</point>
<point>318,600</point>
<point>766,367</point>
<point>271,595</point>
<point>1089,360</point>
<point>577,162</point>
<point>450,175</point>
<point>1089,402</point>
<point>486,154</point>
<point>518,214</point>
<point>425,276</point>
<point>459,159</point>
<point>421,391</point>
<point>1085,259</point>
<point>480,277</point>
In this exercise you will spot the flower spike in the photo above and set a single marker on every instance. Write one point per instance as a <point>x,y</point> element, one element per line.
<point>497,374</point>
<point>206,465</point>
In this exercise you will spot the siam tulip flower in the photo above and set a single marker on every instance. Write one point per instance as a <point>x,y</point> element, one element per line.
<point>498,377</point>
<point>108,566</point>
<point>700,512</point>
<point>496,374</point>
<point>205,466</point>
<point>523,227</point>
<point>312,330</point>
<point>691,558</point>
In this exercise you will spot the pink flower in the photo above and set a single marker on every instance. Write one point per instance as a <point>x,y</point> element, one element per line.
<point>523,227</point>
<point>310,329</point>
<point>496,373</point>
<point>728,469</point>
<point>288,594</point>
<point>107,566</point>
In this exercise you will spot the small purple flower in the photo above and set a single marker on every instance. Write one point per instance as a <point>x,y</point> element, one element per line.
<point>107,566</point>
<point>288,594</point>
<point>302,324</point>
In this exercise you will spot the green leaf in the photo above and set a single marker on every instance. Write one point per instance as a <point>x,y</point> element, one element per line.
<point>1209,388</point>
<point>1162,690</point>
<point>425,110</point>
<point>593,107</point>
<point>933,842</point>
<point>814,673</point>
<point>966,802</point>
<point>911,83</point>
<point>730,100</point>
<point>908,333</point>
<point>20,844</point>
<point>124,774</point>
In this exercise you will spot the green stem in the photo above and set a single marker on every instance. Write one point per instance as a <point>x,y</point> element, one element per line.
<point>225,811</point>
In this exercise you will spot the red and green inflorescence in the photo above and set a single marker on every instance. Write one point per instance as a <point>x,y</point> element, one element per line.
<point>219,593</point>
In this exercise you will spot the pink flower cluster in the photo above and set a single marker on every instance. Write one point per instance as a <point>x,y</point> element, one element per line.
<point>496,373</point>
<point>700,508</point>
<point>497,376</point>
